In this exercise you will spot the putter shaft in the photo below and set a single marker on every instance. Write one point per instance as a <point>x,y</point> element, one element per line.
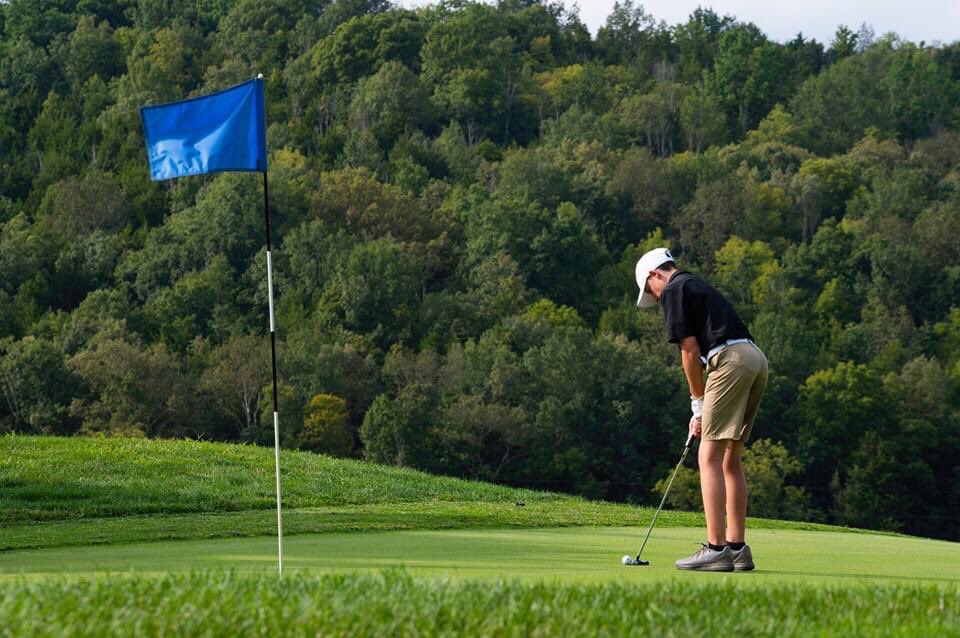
<point>686,449</point>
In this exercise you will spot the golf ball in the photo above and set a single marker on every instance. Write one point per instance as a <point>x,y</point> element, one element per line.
<point>627,560</point>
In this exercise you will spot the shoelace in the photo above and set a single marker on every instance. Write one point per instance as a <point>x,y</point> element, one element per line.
<point>704,548</point>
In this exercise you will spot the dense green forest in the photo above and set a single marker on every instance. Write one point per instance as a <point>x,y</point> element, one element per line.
<point>459,194</point>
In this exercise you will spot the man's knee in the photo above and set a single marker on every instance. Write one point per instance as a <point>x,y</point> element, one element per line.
<point>712,453</point>
<point>732,457</point>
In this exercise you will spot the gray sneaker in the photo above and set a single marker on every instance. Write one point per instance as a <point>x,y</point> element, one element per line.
<point>709,560</point>
<point>742,559</point>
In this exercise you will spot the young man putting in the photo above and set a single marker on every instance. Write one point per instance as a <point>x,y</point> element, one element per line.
<point>712,336</point>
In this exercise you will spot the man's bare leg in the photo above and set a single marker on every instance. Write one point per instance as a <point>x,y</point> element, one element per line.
<point>736,488</point>
<point>713,488</point>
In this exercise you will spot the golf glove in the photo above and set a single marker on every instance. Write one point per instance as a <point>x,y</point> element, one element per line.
<point>696,406</point>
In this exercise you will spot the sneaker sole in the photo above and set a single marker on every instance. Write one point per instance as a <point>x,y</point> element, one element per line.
<point>709,568</point>
<point>744,568</point>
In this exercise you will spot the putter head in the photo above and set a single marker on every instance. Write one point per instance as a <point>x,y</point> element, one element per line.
<point>635,561</point>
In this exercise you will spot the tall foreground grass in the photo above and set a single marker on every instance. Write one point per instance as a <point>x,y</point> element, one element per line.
<point>396,604</point>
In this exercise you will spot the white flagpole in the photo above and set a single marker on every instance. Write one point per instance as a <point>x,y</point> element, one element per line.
<point>273,360</point>
<point>273,357</point>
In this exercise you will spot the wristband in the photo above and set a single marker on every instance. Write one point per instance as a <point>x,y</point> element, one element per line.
<point>696,406</point>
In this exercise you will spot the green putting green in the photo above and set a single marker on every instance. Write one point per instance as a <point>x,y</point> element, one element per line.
<point>567,554</point>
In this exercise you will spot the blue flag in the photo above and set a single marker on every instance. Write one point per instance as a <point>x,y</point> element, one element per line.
<point>225,131</point>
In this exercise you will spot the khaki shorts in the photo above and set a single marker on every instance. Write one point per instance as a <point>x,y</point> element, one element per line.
<point>736,379</point>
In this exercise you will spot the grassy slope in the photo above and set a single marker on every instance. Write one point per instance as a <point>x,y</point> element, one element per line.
<point>78,491</point>
<point>50,478</point>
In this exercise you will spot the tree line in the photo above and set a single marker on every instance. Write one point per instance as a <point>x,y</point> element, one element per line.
<point>460,193</point>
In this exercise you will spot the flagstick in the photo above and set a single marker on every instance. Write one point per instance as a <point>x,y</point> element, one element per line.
<point>273,357</point>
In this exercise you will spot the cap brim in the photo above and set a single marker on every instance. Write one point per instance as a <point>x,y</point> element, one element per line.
<point>646,300</point>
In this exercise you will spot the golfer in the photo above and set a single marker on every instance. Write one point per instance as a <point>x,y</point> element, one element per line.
<point>711,337</point>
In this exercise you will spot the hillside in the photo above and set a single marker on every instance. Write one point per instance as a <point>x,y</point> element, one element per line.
<point>78,491</point>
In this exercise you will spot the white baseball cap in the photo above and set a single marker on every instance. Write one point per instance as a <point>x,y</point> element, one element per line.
<point>651,260</point>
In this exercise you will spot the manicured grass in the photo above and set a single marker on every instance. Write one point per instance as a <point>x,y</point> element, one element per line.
<point>398,604</point>
<point>575,554</point>
<point>357,518</point>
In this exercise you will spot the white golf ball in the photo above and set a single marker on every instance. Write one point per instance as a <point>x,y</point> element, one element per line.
<point>627,560</point>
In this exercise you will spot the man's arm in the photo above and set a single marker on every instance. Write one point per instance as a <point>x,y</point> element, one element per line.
<point>692,367</point>
<point>690,356</point>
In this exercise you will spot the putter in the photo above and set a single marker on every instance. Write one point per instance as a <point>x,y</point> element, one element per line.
<point>627,560</point>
